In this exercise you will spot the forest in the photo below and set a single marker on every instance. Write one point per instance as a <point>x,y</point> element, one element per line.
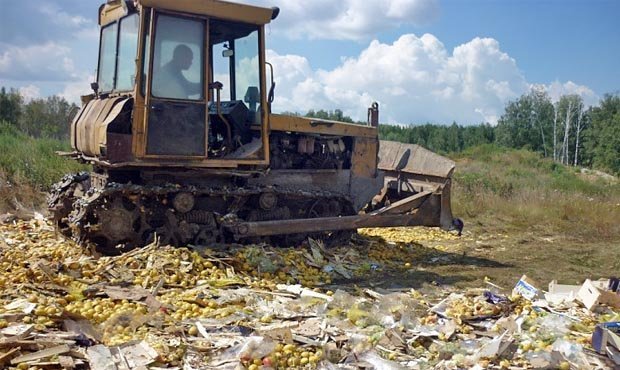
<point>565,130</point>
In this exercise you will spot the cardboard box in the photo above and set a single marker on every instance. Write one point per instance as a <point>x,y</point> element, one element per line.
<point>526,288</point>
<point>560,293</point>
<point>606,334</point>
<point>593,293</point>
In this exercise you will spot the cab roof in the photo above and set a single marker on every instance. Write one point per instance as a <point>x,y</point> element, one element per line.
<point>114,9</point>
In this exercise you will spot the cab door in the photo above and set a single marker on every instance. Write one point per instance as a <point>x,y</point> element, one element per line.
<point>176,102</point>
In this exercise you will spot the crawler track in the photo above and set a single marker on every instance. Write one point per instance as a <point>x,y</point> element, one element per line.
<point>120,217</point>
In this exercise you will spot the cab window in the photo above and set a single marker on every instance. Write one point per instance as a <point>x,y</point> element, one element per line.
<point>127,47</point>
<point>107,58</point>
<point>235,53</point>
<point>178,58</point>
<point>246,68</point>
<point>117,55</point>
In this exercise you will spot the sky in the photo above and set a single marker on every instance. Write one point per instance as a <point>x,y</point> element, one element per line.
<point>438,61</point>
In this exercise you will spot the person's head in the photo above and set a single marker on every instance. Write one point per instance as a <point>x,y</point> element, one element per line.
<point>182,57</point>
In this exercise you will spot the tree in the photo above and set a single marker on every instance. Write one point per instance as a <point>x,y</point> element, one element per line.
<point>526,122</point>
<point>10,105</point>
<point>336,115</point>
<point>47,117</point>
<point>601,139</point>
<point>570,107</point>
<point>478,135</point>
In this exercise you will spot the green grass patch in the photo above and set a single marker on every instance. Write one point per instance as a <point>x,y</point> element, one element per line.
<point>32,161</point>
<point>519,189</point>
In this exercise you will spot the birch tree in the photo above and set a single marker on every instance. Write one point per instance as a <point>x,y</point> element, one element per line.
<point>577,134</point>
<point>555,134</point>
<point>569,111</point>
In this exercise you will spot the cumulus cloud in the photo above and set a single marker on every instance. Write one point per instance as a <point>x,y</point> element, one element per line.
<point>556,89</point>
<point>62,18</point>
<point>74,90</point>
<point>415,79</point>
<point>349,19</point>
<point>47,44</point>
<point>30,92</point>
<point>38,22</point>
<point>45,62</point>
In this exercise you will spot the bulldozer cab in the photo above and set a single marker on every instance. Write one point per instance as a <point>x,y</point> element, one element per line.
<point>196,71</point>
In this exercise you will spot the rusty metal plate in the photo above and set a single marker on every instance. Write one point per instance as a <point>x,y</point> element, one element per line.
<point>412,158</point>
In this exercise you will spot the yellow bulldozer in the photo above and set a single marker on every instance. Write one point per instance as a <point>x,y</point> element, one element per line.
<point>184,146</point>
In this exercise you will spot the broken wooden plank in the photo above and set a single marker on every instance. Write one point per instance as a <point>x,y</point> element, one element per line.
<point>5,357</point>
<point>16,332</point>
<point>54,365</point>
<point>41,354</point>
<point>27,345</point>
<point>139,354</point>
<point>13,317</point>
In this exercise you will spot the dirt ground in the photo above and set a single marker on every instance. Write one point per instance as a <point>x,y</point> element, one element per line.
<point>501,256</point>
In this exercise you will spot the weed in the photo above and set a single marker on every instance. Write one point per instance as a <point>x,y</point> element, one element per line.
<point>29,166</point>
<point>521,190</point>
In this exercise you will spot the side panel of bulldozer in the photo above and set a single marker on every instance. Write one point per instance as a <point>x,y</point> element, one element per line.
<point>90,126</point>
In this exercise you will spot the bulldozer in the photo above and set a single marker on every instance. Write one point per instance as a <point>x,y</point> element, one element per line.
<point>185,149</point>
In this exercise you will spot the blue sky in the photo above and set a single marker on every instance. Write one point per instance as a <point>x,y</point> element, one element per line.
<point>551,40</point>
<point>423,60</point>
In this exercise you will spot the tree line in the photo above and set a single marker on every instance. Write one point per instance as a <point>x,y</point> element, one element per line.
<point>566,130</point>
<point>44,117</point>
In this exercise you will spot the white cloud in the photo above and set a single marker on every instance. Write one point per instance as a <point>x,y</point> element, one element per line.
<point>30,92</point>
<point>415,79</point>
<point>44,62</point>
<point>60,17</point>
<point>74,90</point>
<point>349,19</point>
<point>556,89</point>
<point>89,34</point>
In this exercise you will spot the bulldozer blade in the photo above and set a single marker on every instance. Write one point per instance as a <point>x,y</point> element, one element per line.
<point>316,225</point>
<point>410,169</point>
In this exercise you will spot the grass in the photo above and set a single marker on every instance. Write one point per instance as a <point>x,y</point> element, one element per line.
<point>518,189</point>
<point>29,166</point>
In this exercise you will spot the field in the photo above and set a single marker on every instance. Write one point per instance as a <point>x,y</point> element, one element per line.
<point>536,217</point>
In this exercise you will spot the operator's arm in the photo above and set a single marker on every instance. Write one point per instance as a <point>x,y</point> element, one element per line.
<point>192,88</point>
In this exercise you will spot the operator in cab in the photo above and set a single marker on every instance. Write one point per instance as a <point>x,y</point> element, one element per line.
<point>170,82</point>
